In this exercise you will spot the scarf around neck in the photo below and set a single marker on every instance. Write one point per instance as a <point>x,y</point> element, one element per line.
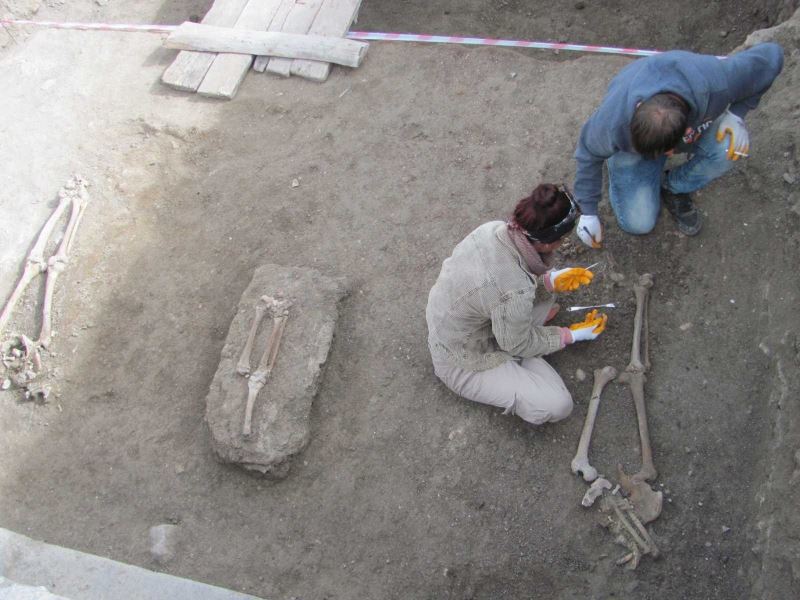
<point>538,264</point>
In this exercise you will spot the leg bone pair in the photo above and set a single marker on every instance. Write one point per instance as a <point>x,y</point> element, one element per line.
<point>58,262</point>
<point>35,262</point>
<point>264,303</point>
<point>580,464</point>
<point>280,313</point>
<point>634,376</point>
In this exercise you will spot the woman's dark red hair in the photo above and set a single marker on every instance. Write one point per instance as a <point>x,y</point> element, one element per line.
<point>546,206</point>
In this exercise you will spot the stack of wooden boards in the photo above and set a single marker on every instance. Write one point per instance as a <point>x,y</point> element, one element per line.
<point>219,75</point>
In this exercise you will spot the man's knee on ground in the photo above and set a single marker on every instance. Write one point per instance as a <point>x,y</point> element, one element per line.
<point>639,223</point>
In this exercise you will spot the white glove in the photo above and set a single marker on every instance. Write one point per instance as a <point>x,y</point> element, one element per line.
<point>733,126</point>
<point>590,230</point>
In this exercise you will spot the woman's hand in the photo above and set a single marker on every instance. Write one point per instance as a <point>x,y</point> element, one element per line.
<point>592,326</point>
<point>569,279</point>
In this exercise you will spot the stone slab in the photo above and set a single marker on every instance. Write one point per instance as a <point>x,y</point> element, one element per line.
<point>28,567</point>
<point>280,428</point>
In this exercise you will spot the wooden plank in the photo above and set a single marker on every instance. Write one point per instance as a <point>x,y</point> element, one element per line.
<point>278,20</point>
<point>226,74</point>
<point>188,69</point>
<point>207,38</point>
<point>334,19</point>
<point>299,21</point>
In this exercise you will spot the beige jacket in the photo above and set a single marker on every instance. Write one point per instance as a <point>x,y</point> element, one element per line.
<point>480,308</point>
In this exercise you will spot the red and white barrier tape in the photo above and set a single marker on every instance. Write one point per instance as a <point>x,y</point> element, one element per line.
<point>364,35</point>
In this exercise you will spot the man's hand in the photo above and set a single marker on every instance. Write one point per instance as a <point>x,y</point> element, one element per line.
<point>733,126</point>
<point>569,279</point>
<point>590,230</point>
<point>592,326</point>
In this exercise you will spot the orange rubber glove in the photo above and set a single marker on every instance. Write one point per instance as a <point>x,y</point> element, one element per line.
<point>592,326</point>
<point>569,279</point>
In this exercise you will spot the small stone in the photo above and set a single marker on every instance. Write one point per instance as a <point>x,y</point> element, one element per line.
<point>688,450</point>
<point>685,327</point>
<point>580,374</point>
<point>616,277</point>
<point>163,542</point>
<point>513,75</point>
<point>699,504</point>
<point>580,5</point>
<point>6,384</point>
<point>725,529</point>
<point>789,178</point>
<point>295,183</point>
<point>723,33</point>
<point>708,544</point>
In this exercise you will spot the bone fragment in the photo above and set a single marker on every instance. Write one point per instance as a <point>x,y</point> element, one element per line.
<point>580,463</point>
<point>35,262</point>
<point>243,366</point>
<point>595,491</point>
<point>629,530</point>
<point>634,377</point>
<point>648,539</point>
<point>646,502</point>
<point>280,313</point>
<point>58,262</point>
<point>21,358</point>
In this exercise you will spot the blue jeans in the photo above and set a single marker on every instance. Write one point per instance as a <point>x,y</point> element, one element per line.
<point>635,182</point>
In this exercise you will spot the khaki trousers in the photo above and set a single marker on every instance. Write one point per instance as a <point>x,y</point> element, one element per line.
<point>529,388</point>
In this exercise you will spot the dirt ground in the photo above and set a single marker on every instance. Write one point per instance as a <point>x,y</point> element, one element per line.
<point>405,491</point>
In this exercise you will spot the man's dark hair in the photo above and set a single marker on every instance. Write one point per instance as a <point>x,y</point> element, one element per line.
<point>658,124</point>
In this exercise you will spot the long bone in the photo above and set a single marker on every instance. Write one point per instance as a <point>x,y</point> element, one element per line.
<point>58,262</point>
<point>243,366</point>
<point>580,464</point>
<point>634,377</point>
<point>280,313</point>
<point>35,262</point>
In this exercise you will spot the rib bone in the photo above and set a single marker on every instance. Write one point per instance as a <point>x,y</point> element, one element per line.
<point>35,262</point>
<point>580,464</point>
<point>243,366</point>
<point>634,377</point>
<point>280,313</point>
<point>58,262</point>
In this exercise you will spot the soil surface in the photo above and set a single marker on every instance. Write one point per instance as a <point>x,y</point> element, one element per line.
<point>405,491</point>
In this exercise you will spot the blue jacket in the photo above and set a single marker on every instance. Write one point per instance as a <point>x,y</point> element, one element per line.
<point>708,84</point>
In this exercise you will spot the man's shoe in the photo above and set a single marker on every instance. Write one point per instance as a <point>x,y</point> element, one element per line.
<point>682,208</point>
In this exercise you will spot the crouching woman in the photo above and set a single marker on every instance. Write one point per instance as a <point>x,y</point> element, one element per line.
<point>487,311</point>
